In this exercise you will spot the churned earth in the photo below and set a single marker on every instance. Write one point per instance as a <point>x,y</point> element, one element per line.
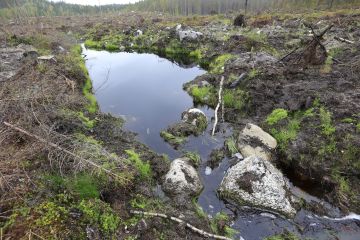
<point>307,101</point>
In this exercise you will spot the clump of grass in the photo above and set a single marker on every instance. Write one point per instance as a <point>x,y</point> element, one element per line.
<point>286,134</point>
<point>146,203</point>
<point>328,65</point>
<point>173,140</point>
<point>276,116</point>
<point>200,94</point>
<point>87,87</point>
<point>235,98</point>
<point>196,54</point>
<point>143,168</point>
<point>81,186</point>
<point>253,73</point>
<point>326,123</point>
<point>348,120</point>
<point>86,121</point>
<point>255,35</point>
<point>84,186</point>
<point>230,144</point>
<point>219,219</point>
<point>194,158</point>
<point>92,44</point>
<point>111,47</point>
<point>198,209</point>
<point>358,127</point>
<point>99,213</point>
<point>50,213</point>
<point>217,65</point>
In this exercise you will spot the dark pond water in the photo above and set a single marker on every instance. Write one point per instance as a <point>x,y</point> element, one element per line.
<point>147,92</point>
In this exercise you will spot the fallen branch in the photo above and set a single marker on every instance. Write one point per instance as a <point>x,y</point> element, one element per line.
<point>343,40</point>
<point>63,150</point>
<point>218,105</point>
<point>178,220</point>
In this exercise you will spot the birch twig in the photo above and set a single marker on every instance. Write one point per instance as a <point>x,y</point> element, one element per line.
<point>218,105</point>
<point>178,220</point>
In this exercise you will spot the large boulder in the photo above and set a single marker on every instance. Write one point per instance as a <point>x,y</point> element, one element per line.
<point>256,182</point>
<point>187,34</point>
<point>255,141</point>
<point>182,181</point>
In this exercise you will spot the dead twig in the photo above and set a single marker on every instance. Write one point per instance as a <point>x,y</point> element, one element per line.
<point>218,105</point>
<point>178,220</point>
<point>343,40</point>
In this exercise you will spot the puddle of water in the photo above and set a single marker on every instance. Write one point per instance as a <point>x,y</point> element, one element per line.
<point>147,91</point>
<point>144,89</point>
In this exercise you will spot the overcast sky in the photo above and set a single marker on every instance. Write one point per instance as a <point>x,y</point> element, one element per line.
<point>96,2</point>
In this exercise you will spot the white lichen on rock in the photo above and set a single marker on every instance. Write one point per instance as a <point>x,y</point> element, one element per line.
<point>256,182</point>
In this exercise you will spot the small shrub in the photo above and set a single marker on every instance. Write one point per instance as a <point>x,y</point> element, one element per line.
<point>276,116</point>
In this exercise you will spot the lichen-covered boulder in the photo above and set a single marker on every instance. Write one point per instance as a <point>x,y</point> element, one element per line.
<point>255,141</point>
<point>256,182</point>
<point>182,181</point>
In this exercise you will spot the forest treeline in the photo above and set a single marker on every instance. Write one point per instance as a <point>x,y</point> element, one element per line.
<point>189,7</point>
<point>28,8</point>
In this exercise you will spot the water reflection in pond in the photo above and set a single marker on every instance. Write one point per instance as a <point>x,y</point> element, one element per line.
<point>147,91</point>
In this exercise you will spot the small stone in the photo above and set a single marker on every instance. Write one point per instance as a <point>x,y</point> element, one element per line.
<point>208,171</point>
<point>239,156</point>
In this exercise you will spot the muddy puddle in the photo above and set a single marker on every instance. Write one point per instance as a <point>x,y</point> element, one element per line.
<point>147,91</point>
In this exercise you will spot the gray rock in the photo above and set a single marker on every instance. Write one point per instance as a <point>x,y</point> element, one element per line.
<point>239,80</point>
<point>195,117</point>
<point>239,156</point>
<point>255,141</point>
<point>182,181</point>
<point>256,182</point>
<point>138,33</point>
<point>187,34</point>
